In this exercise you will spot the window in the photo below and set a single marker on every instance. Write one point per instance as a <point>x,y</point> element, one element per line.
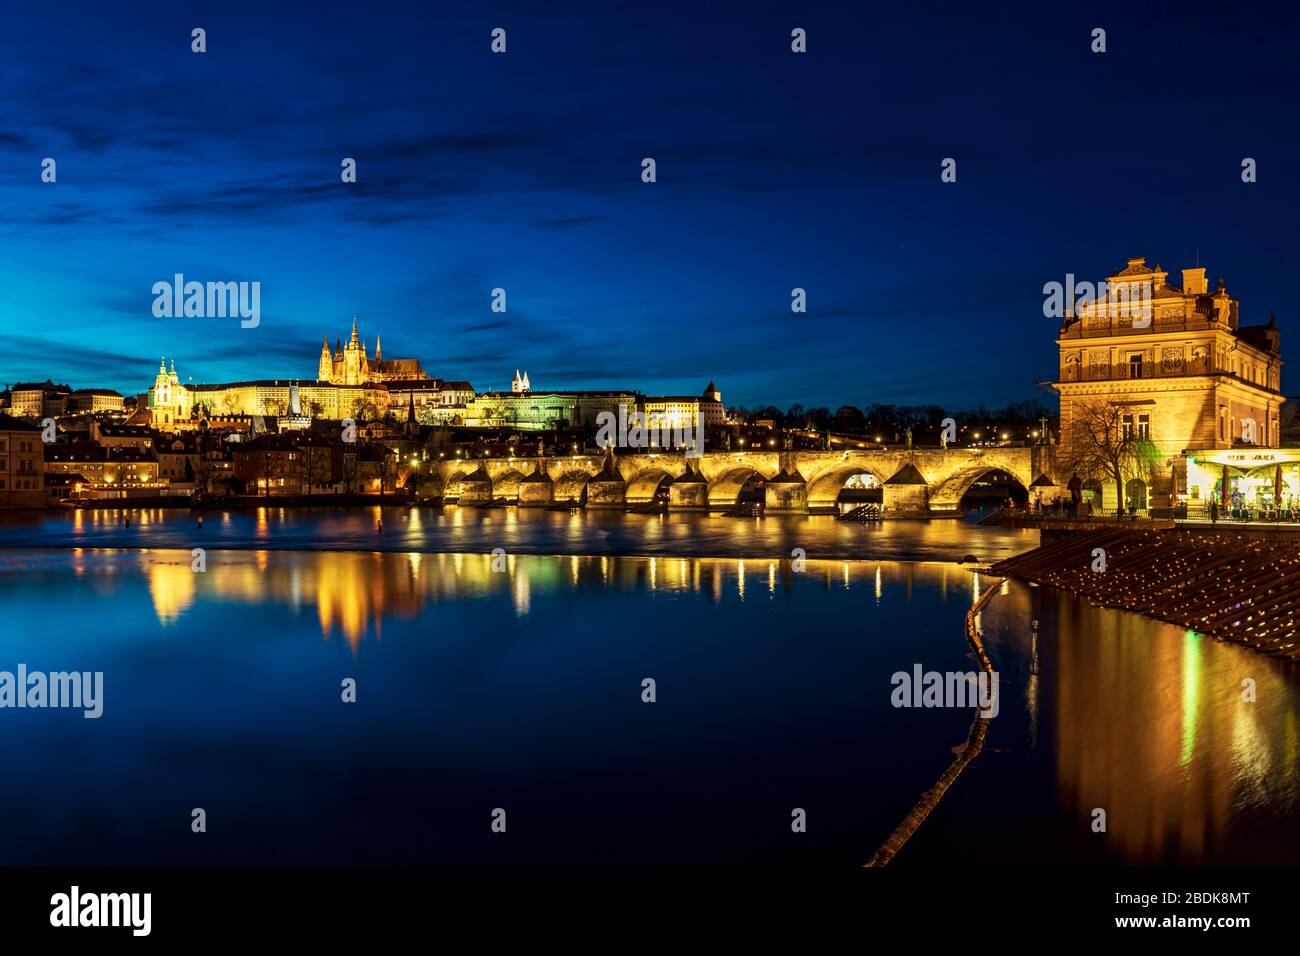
<point>1136,493</point>
<point>1144,426</point>
<point>1126,427</point>
<point>1135,366</point>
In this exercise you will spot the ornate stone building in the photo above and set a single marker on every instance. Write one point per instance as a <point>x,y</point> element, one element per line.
<point>349,365</point>
<point>1182,369</point>
<point>174,405</point>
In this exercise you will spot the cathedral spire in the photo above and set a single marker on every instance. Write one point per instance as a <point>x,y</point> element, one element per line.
<point>377,355</point>
<point>354,330</point>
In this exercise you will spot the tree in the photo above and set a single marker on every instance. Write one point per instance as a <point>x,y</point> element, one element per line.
<point>381,464</point>
<point>264,467</point>
<point>315,463</point>
<point>1096,444</point>
<point>350,468</point>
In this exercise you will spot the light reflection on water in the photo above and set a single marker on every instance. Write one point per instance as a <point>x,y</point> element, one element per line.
<point>352,592</point>
<point>1128,715</point>
<point>516,530</point>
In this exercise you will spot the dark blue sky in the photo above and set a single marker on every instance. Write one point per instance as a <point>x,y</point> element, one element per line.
<point>523,171</point>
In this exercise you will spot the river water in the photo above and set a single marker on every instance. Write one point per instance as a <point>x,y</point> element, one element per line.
<point>515,681</point>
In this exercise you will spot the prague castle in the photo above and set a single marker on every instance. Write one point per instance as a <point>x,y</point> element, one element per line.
<point>349,364</point>
<point>173,403</point>
<point>349,384</point>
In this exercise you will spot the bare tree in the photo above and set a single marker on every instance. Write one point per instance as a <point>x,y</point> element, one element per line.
<point>264,465</point>
<point>315,464</point>
<point>1097,444</point>
<point>382,466</point>
<point>350,468</point>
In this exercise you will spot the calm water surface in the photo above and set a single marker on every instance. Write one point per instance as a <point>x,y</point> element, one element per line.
<point>521,689</point>
<point>517,531</point>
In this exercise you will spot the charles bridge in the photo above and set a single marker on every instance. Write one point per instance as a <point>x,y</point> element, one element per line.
<point>914,481</point>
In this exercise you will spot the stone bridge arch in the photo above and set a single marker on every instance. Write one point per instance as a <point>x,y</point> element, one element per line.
<point>826,481</point>
<point>925,480</point>
<point>946,495</point>
<point>505,484</point>
<point>642,485</point>
<point>724,488</point>
<point>451,485</point>
<point>572,486</point>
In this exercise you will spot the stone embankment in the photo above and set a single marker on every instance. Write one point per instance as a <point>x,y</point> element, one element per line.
<point>1232,586</point>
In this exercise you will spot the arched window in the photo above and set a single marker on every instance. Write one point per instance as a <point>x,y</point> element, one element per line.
<point>1135,495</point>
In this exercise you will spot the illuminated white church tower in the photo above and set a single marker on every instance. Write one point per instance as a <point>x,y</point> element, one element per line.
<point>169,400</point>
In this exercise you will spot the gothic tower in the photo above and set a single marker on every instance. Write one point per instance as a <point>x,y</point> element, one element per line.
<point>354,359</point>
<point>325,372</point>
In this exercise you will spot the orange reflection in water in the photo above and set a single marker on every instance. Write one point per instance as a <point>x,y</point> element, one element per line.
<point>1151,725</point>
<point>352,591</point>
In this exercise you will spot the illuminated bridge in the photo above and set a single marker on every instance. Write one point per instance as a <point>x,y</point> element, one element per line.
<point>913,481</point>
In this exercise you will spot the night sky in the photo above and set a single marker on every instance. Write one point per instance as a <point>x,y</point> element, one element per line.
<point>523,171</point>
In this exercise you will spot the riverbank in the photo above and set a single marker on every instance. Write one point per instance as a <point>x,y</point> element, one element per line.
<point>1229,585</point>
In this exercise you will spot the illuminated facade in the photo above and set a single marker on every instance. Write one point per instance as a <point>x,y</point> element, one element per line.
<point>539,410</point>
<point>349,364</point>
<point>174,405</point>
<point>1184,371</point>
<point>22,464</point>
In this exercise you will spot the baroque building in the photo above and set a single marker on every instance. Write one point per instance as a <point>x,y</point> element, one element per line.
<point>350,365</point>
<point>1204,389</point>
<point>174,405</point>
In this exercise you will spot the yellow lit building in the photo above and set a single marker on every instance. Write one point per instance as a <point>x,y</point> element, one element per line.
<point>22,464</point>
<point>1185,374</point>
<point>350,365</point>
<point>175,405</point>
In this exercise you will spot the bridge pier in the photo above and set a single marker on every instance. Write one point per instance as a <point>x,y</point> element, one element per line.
<point>476,487</point>
<point>786,494</point>
<point>536,490</point>
<point>688,492</point>
<point>906,495</point>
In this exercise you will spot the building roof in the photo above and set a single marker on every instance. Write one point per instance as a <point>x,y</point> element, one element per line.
<point>90,452</point>
<point>10,424</point>
<point>1136,267</point>
<point>46,386</point>
<point>396,365</point>
<point>417,385</point>
<point>1264,337</point>
<point>561,392</point>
